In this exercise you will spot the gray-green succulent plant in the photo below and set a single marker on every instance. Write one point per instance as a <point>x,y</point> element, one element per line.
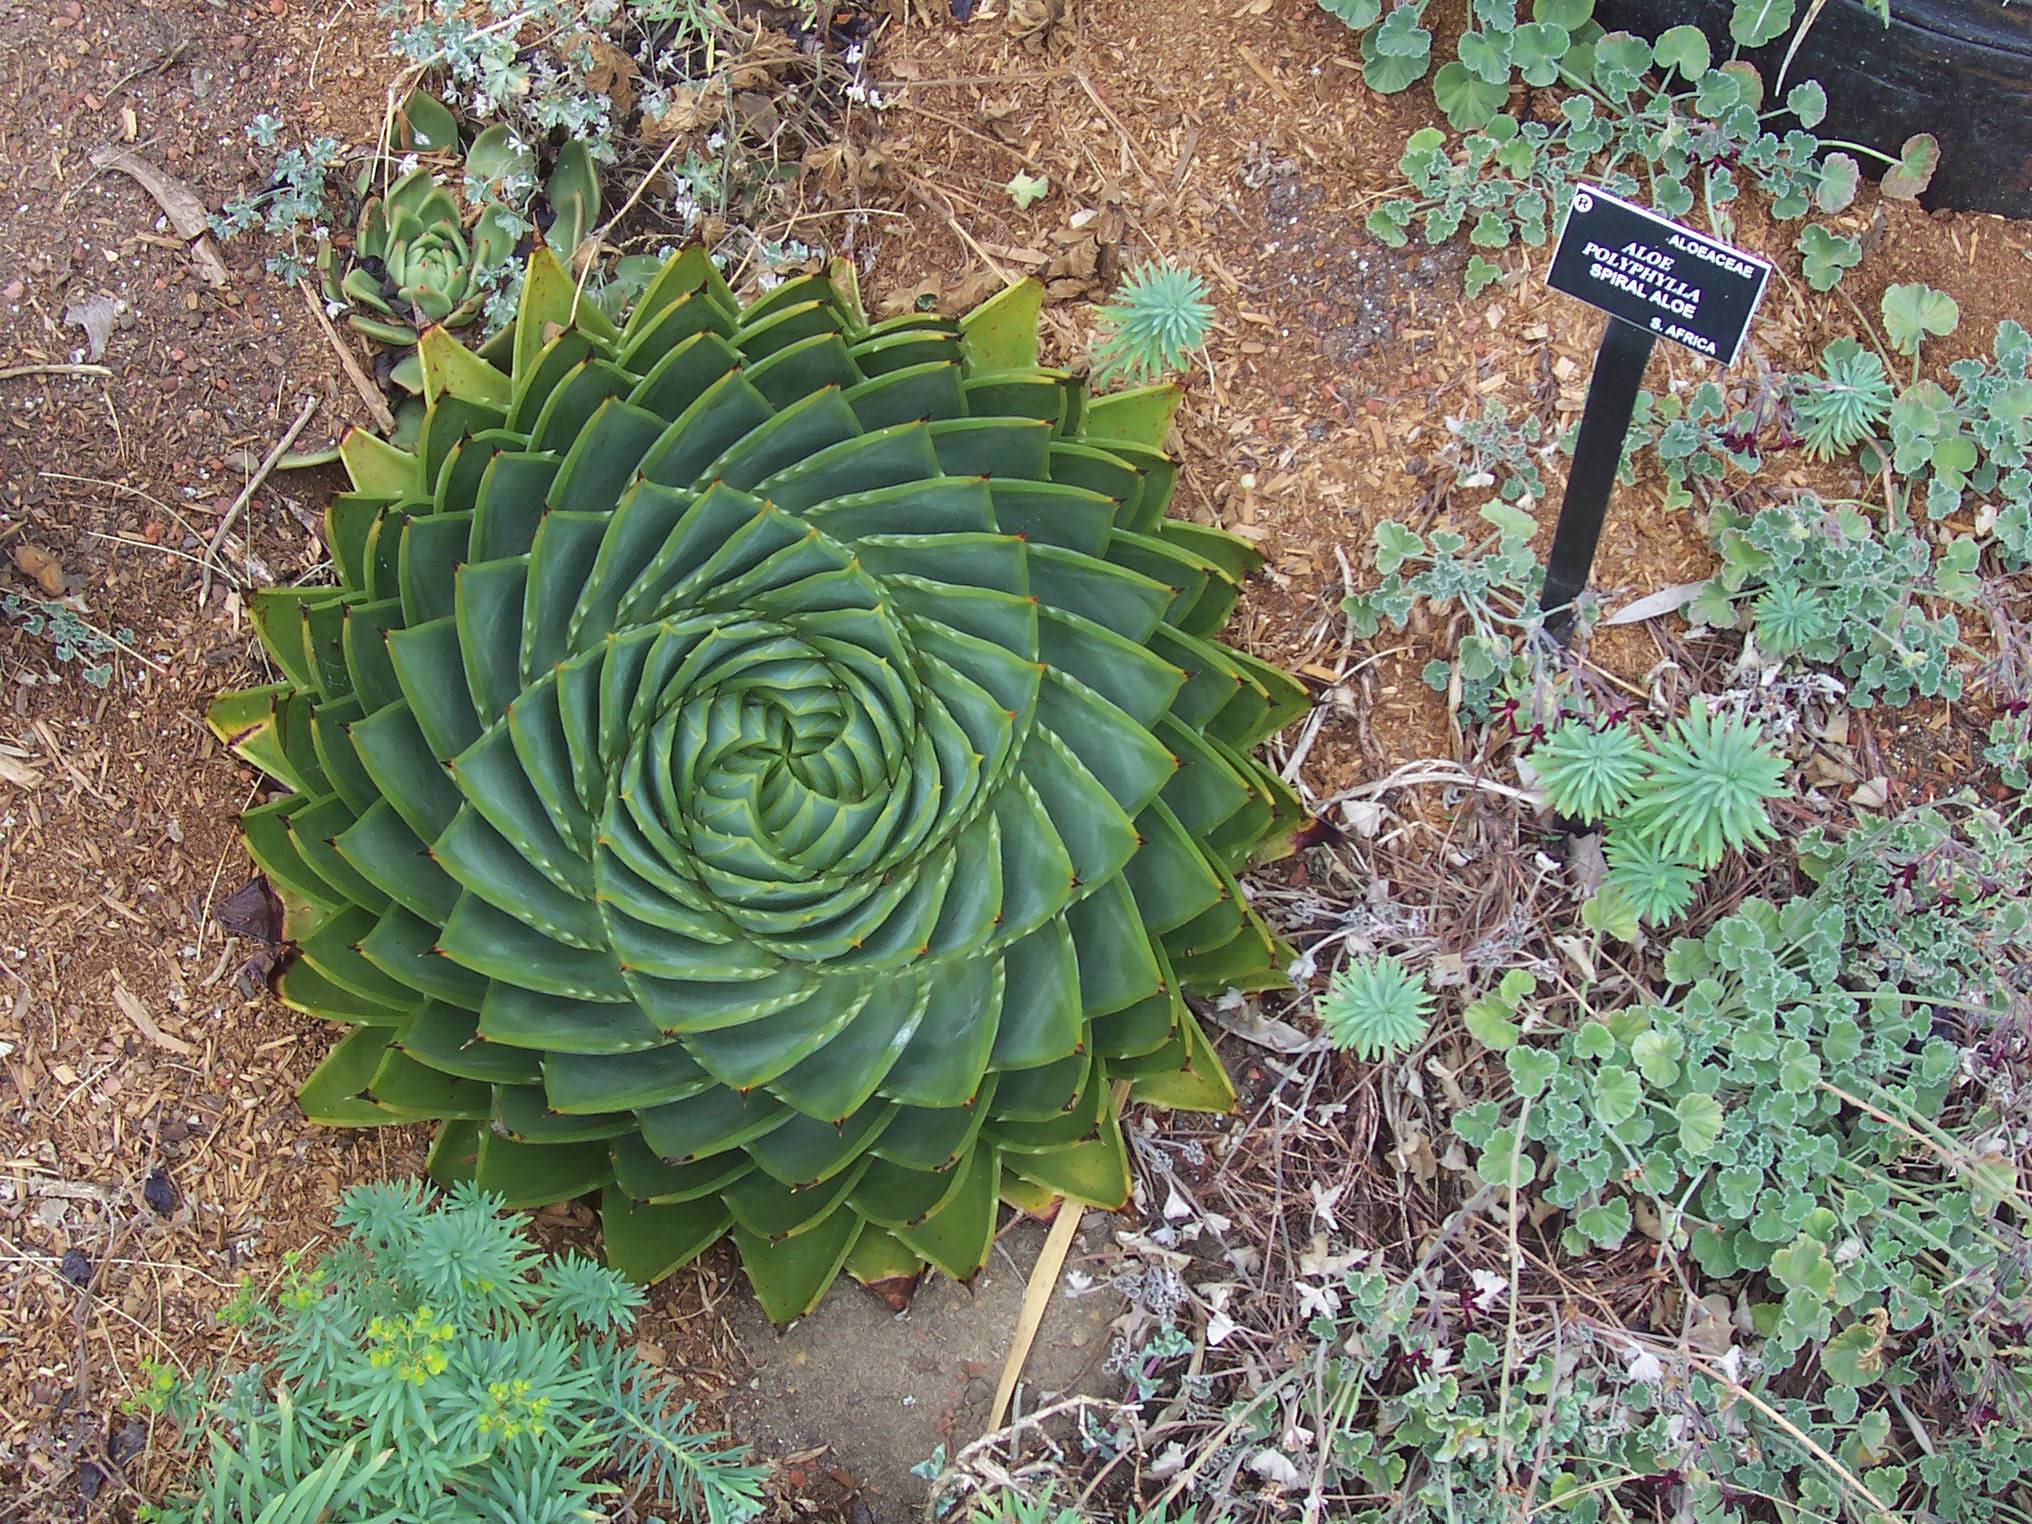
<point>423,254</point>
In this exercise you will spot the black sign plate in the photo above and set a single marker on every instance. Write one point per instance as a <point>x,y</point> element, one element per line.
<point>1650,271</point>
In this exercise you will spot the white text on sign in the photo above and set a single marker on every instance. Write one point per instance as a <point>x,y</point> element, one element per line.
<point>1636,268</point>
<point>1650,272</point>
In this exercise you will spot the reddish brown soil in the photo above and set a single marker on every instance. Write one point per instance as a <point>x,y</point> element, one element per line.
<point>135,1034</point>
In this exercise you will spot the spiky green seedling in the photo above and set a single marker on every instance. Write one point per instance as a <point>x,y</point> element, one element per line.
<point>1711,776</point>
<point>1159,317</point>
<point>1590,773</point>
<point>1375,1008</point>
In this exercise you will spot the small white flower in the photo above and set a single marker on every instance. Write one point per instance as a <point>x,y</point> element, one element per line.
<point>1273,1467</point>
<point>1645,1368</point>
<point>1317,1300</point>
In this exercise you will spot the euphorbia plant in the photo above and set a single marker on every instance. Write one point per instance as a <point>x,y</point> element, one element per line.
<point>772,770</point>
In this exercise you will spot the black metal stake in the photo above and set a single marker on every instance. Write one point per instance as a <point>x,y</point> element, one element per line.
<point>1611,398</point>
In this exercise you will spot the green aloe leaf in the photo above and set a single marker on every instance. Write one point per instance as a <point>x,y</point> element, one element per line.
<point>1001,333</point>
<point>646,1242</point>
<point>779,771</point>
<point>884,1264</point>
<point>957,1236</point>
<point>791,1276</point>
<point>336,1092</point>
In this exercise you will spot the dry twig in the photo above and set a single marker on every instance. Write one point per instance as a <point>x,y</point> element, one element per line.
<point>370,394</point>
<point>179,203</point>
<point>247,492</point>
<point>14,372</point>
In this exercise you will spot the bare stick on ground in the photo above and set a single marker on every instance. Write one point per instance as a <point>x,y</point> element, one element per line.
<point>246,496</point>
<point>179,203</point>
<point>15,372</point>
<point>370,394</point>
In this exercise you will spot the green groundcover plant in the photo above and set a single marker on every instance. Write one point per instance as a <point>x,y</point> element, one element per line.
<point>1752,1242</point>
<point>1664,119</point>
<point>1493,584</point>
<point>1942,450</point>
<point>1823,583</point>
<point>436,1368</point>
<point>1816,1110</point>
<point>72,640</point>
<point>774,771</point>
<point>1873,588</point>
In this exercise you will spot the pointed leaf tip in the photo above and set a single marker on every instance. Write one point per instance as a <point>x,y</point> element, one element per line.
<point>1001,333</point>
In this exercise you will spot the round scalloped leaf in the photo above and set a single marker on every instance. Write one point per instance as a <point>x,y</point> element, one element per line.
<point>1756,22</point>
<point>1918,158</point>
<point>1684,48</point>
<point>1468,100</point>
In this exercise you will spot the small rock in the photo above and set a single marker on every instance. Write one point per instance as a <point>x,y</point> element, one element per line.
<point>77,1269</point>
<point>159,1193</point>
<point>45,568</point>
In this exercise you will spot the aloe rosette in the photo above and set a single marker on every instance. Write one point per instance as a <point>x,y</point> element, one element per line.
<point>774,770</point>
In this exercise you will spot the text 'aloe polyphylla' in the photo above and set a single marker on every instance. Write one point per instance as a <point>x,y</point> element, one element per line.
<point>772,769</point>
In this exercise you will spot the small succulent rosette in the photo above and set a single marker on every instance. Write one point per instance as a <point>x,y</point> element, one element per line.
<point>434,241</point>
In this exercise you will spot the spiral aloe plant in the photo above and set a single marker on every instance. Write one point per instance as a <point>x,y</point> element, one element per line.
<point>773,770</point>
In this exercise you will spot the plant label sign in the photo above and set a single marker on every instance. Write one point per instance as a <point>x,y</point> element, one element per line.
<point>1656,275</point>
